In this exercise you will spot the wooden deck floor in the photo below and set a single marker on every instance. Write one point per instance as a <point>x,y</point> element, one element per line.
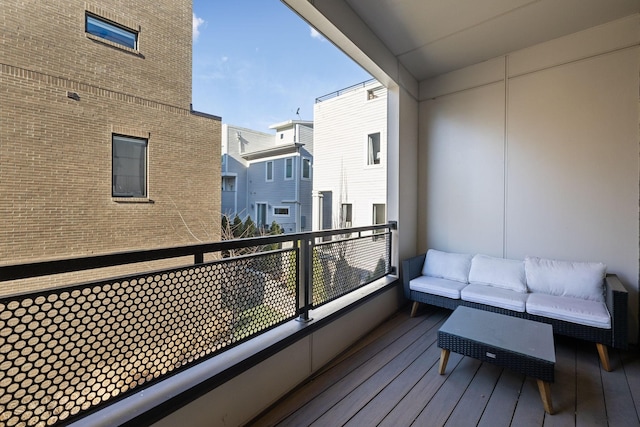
<point>390,378</point>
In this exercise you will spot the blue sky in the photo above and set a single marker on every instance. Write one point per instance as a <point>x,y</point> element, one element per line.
<point>255,62</point>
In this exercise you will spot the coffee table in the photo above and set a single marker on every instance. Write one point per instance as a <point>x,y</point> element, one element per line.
<point>521,345</point>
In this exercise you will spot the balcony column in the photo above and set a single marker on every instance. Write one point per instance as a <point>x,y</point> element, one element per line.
<point>316,208</point>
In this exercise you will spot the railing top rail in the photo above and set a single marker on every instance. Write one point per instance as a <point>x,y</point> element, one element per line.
<point>345,90</point>
<point>58,266</point>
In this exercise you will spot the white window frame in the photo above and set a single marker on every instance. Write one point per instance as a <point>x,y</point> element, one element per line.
<point>369,160</point>
<point>225,178</point>
<point>302,162</point>
<point>266,213</point>
<point>286,160</point>
<point>281,214</point>
<point>266,171</point>
<point>346,221</point>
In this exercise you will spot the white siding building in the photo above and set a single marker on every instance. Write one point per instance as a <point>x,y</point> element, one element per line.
<point>350,172</point>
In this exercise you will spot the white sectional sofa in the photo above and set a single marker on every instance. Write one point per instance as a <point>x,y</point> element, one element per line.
<point>578,299</point>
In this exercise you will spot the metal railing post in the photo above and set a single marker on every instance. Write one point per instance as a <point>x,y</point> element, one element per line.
<point>393,226</point>
<point>198,258</point>
<point>305,275</point>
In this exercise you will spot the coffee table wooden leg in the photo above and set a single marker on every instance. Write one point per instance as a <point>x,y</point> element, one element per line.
<point>545,394</point>
<point>444,358</point>
<point>604,356</point>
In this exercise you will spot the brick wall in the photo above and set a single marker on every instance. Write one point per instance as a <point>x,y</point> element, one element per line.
<point>55,151</point>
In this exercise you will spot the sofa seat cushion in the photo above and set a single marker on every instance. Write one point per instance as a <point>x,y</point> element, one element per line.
<point>569,309</point>
<point>496,297</point>
<point>437,286</point>
<point>498,272</point>
<point>564,278</point>
<point>447,265</point>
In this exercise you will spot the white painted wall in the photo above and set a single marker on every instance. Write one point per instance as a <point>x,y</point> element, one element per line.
<point>463,171</point>
<point>536,153</point>
<point>403,169</point>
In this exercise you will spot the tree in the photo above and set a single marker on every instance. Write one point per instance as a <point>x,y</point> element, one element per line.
<point>236,229</point>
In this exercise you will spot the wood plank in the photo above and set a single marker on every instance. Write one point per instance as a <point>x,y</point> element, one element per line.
<point>529,411</point>
<point>503,400</point>
<point>387,380</point>
<point>631,366</point>
<point>409,408</point>
<point>563,390</point>
<point>590,408</point>
<point>620,406</point>
<point>349,405</point>
<point>380,406</point>
<point>396,338</point>
<point>443,403</point>
<point>395,326</point>
<point>353,377</point>
<point>476,396</point>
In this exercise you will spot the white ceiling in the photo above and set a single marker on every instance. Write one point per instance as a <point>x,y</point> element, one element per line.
<point>431,37</point>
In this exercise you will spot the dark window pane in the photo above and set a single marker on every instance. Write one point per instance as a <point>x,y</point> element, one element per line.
<point>129,167</point>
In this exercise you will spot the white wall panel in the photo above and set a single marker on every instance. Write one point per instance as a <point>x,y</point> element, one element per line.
<point>462,164</point>
<point>573,163</point>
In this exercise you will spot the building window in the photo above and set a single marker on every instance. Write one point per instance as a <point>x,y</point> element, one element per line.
<point>379,217</point>
<point>129,166</point>
<point>379,214</point>
<point>373,149</point>
<point>306,168</point>
<point>288,168</point>
<point>228,183</point>
<point>281,211</point>
<point>261,214</point>
<point>269,171</point>
<point>346,219</point>
<point>110,31</point>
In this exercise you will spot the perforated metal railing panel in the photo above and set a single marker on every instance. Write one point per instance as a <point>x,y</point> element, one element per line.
<point>66,352</point>
<point>341,266</point>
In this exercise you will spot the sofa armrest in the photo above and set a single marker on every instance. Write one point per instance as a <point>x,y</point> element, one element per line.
<point>411,268</point>
<point>617,302</point>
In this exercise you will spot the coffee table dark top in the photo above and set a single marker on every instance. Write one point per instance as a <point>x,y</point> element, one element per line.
<point>529,338</point>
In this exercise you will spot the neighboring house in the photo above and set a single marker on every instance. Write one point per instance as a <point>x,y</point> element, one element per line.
<point>236,141</point>
<point>350,172</point>
<point>269,177</point>
<point>99,148</point>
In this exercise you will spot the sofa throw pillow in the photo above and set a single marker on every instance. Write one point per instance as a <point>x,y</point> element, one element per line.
<point>447,265</point>
<point>565,278</point>
<point>498,272</point>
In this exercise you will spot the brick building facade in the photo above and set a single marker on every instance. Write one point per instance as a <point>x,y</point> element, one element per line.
<point>71,90</point>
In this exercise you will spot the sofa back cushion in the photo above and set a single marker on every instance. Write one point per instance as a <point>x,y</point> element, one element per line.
<point>564,278</point>
<point>498,272</point>
<point>447,265</point>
